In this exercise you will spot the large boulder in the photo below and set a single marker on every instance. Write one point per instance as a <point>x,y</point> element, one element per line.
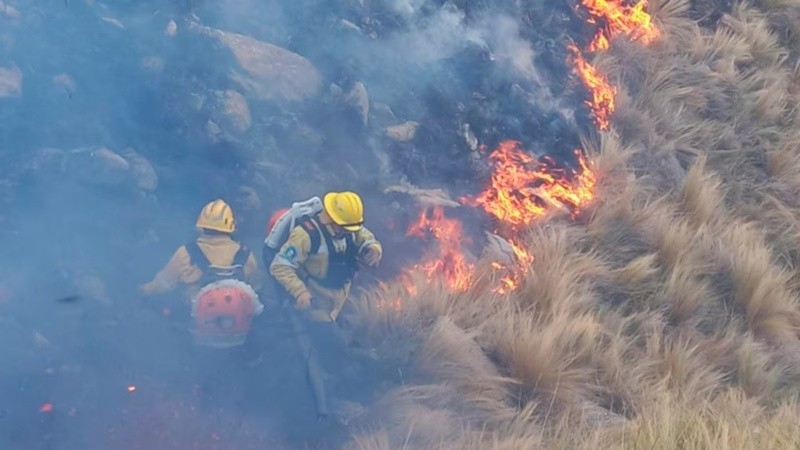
<point>268,72</point>
<point>230,110</point>
<point>141,174</point>
<point>98,166</point>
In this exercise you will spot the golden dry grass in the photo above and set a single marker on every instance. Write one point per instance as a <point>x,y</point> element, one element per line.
<point>667,314</point>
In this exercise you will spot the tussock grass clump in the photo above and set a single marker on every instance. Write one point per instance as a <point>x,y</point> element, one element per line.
<point>667,314</point>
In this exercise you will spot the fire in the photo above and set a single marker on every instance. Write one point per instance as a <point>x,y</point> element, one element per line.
<point>603,92</point>
<point>617,19</point>
<point>523,189</point>
<point>448,259</point>
<point>511,281</point>
<point>632,21</point>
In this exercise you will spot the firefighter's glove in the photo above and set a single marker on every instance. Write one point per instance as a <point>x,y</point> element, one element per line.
<point>372,255</point>
<point>303,300</point>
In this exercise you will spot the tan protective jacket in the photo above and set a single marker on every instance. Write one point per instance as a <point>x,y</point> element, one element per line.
<point>220,251</point>
<point>297,270</point>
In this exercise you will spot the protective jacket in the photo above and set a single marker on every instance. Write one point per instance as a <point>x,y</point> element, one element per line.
<point>226,258</point>
<point>313,260</point>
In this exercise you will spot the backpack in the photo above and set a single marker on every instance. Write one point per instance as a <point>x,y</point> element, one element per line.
<point>213,273</point>
<point>284,220</point>
<point>224,307</point>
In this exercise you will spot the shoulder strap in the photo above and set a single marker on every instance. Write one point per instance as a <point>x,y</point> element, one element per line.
<point>240,259</point>
<point>196,256</point>
<point>313,231</point>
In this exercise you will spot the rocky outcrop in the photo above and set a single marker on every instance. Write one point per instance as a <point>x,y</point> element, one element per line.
<point>266,71</point>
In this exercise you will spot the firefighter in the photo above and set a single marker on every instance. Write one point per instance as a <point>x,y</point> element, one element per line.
<point>315,249</point>
<point>317,262</point>
<point>219,274</point>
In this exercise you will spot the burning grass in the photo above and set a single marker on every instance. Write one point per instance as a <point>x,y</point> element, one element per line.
<point>666,313</point>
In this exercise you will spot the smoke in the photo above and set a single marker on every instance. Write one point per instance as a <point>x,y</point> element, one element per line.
<point>120,120</point>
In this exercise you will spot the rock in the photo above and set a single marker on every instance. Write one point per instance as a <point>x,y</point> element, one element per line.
<point>358,98</point>
<point>98,166</point>
<point>269,72</point>
<point>404,132</point>
<point>213,131</point>
<point>10,82</point>
<point>499,250</point>
<point>231,111</point>
<point>172,29</point>
<point>141,171</point>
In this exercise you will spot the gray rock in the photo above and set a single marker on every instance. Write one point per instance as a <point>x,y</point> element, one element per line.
<point>403,132</point>
<point>10,82</point>
<point>358,98</point>
<point>213,131</point>
<point>231,112</point>
<point>98,166</point>
<point>142,173</point>
<point>268,72</point>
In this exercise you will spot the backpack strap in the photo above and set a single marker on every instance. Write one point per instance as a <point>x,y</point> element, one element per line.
<point>240,259</point>
<point>313,232</point>
<point>196,256</point>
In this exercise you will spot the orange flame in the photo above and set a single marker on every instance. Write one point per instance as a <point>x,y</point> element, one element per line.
<point>523,188</point>
<point>617,19</point>
<point>447,260</point>
<point>603,93</point>
<point>632,21</point>
<point>511,281</point>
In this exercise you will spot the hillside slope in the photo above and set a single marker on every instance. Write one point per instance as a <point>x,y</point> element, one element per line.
<point>666,314</point>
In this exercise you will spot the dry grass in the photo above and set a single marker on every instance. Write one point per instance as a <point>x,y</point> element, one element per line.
<point>667,314</point>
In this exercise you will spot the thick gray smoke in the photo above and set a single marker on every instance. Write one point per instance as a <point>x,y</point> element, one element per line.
<point>120,120</point>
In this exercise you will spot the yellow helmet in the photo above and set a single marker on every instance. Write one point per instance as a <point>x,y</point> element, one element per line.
<point>345,209</point>
<point>217,216</point>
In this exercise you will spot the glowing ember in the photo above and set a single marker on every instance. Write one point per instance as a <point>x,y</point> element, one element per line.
<point>603,92</point>
<point>632,21</point>
<point>131,388</point>
<point>46,408</point>
<point>447,260</point>
<point>523,188</point>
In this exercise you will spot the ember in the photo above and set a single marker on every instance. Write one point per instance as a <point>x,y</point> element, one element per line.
<point>46,408</point>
